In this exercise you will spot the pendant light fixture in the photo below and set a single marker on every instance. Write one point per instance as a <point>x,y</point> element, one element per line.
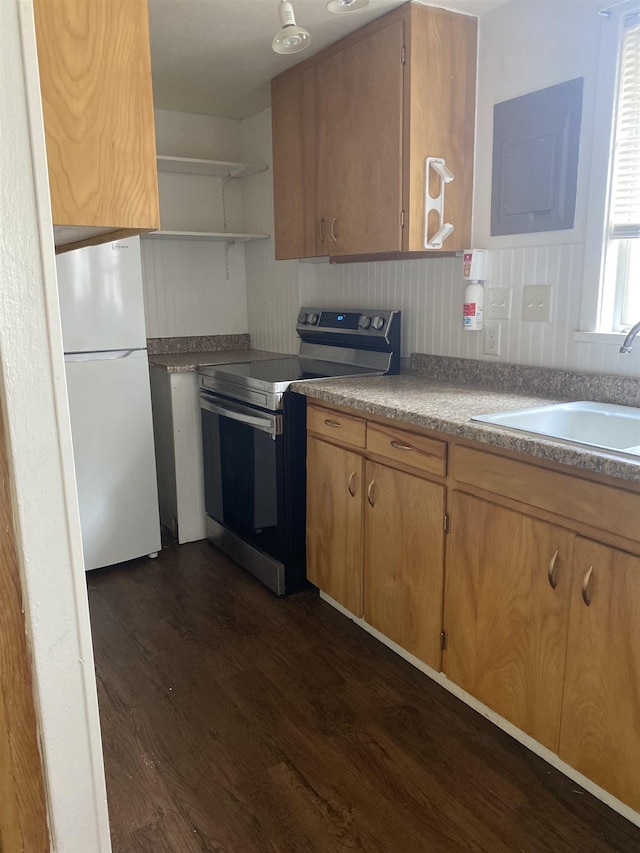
<point>290,38</point>
<point>346,5</point>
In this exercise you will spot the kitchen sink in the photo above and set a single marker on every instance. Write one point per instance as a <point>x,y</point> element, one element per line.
<point>602,425</point>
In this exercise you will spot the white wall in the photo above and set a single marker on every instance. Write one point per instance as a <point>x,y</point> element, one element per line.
<point>524,46</point>
<point>33,392</point>
<point>193,287</point>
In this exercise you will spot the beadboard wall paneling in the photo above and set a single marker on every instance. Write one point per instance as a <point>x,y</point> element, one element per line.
<point>272,286</point>
<point>200,203</point>
<point>427,292</point>
<point>186,291</point>
<point>430,294</point>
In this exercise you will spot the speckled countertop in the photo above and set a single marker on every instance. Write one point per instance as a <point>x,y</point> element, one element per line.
<point>186,362</point>
<point>447,406</point>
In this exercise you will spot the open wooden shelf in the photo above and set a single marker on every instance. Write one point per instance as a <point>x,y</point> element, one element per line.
<point>213,236</point>
<point>215,168</point>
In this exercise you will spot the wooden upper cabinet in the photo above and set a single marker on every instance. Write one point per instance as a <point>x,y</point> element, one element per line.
<point>95,79</point>
<point>294,164</point>
<point>351,140</point>
<point>360,145</point>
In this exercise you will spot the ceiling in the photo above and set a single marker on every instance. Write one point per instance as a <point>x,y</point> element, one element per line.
<point>214,56</point>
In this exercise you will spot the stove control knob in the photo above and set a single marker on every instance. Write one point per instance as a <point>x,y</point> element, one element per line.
<point>377,323</point>
<point>302,318</point>
<point>364,322</point>
<point>312,319</point>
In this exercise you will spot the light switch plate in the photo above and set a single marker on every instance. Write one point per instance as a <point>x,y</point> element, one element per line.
<point>498,303</point>
<point>536,303</point>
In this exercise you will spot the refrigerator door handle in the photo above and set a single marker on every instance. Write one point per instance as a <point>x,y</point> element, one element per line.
<point>103,355</point>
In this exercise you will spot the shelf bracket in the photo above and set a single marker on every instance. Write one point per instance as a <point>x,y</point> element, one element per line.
<point>438,165</point>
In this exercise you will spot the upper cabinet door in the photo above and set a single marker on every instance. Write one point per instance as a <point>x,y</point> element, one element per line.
<point>360,144</point>
<point>296,228</point>
<point>440,97</point>
<point>95,79</point>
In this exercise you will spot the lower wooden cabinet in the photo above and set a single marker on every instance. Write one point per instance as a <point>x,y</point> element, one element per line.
<point>600,734</point>
<point>334,522</point>
<point>542,624</point>
<point>404,559</point>
<point>543,627</point>
<point>375,537</point>
<point>505,613</point>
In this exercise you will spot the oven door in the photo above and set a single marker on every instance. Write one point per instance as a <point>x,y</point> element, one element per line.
<point>242,450</point>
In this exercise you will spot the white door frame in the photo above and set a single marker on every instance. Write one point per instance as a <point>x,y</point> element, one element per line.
<point>33,388</point>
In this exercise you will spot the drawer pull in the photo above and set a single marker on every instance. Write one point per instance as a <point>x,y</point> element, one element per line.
<point>551,571</point>
<point>335,424</point>
<point>585,586</point>
<point>370,493</point>
<point>352,484</point>
<point>400,446</point>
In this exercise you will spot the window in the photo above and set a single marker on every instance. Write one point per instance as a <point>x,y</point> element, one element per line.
<point>620,298</point>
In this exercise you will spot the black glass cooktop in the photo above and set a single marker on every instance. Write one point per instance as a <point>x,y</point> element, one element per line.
<point>277,370</point>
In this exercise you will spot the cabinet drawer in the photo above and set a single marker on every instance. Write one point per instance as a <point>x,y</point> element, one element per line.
<point>594,504</point>
<point>344,428</point>
<point>418,451</point>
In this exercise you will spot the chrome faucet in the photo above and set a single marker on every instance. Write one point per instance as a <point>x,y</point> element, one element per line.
<point>626,346</point>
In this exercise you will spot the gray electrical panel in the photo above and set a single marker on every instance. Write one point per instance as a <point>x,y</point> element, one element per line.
<point>536,139</point>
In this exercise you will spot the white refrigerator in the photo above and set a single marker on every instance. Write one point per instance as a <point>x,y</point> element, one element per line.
<point>103,331</point>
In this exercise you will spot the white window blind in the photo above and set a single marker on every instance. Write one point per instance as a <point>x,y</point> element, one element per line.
<point>625,196</point>
<point>620,292</point>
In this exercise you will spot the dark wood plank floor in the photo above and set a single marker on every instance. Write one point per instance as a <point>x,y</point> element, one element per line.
<point>233,721</point>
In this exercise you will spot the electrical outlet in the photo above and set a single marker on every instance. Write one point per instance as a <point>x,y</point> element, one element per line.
<point>498,303</point>
<point>536,303</point>
<point>492,335</point>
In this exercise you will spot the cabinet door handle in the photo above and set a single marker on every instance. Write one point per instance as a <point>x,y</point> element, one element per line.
<point>321,229</point>
<point>551,571</point>
<point>585,586</point>
<point>334,424</point>
<point>333,230</point>
<point>400,446</point>
<point>370,495</point>
<point>352,484</point>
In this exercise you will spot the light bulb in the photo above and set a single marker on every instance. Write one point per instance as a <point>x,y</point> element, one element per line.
<point>291,38</point>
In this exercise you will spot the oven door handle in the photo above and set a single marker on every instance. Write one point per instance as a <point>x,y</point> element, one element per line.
<point>265,422</point>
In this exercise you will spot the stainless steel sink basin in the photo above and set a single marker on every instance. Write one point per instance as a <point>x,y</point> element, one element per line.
<point>601,425</point>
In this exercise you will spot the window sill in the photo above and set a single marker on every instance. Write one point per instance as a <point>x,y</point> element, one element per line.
<point>611,338</point>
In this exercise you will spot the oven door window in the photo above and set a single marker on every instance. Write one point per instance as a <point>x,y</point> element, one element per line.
<point>241,482</point>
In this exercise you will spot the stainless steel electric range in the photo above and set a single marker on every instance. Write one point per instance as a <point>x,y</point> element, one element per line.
<point>253,433</point>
